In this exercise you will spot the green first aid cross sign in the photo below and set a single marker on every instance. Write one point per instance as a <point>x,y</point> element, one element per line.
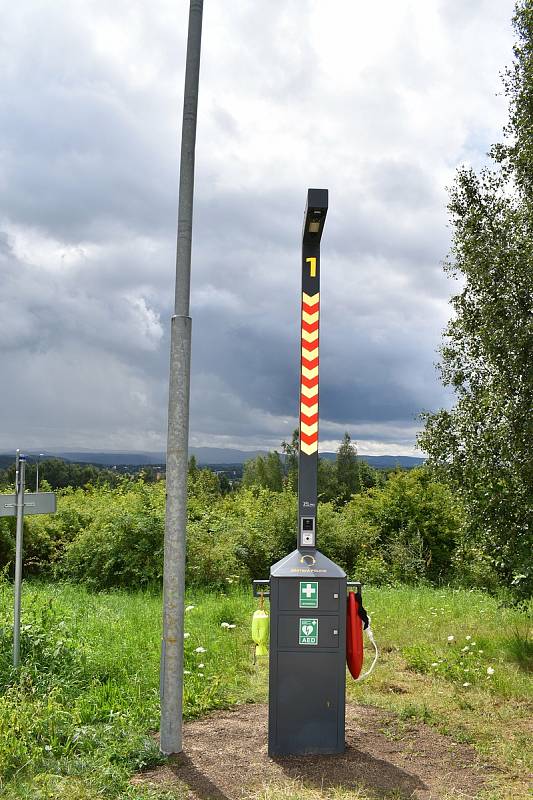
<point>308,631</point>
<point>308,594</point>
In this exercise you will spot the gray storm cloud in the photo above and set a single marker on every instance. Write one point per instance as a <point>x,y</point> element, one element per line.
<point>380,110</point>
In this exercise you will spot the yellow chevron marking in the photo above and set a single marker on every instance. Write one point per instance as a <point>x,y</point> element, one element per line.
<point>309,429</point>
<point>310,337</point>
<point>310,317</point>
<point>310,354</point>
<point>309,392</point>
<point>311,299</point>
<point>309,410</point>
<point>309,373</point>
<point>309,449</point>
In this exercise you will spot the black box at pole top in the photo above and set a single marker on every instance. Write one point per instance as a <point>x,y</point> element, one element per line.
<point>307,679</point>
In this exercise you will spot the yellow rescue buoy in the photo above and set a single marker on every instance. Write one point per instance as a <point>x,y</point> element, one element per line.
<point>260,632</point>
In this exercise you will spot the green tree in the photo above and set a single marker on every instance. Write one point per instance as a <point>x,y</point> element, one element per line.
<point>291,450</point>
<point>369,477</point>
<point>483,444</point>
<point>274,471</point>
<point>327,481</point>
<point>193,467</point>
<point>225,485</point>
<point>249,473</point>
<point>203,483</point>
<point>265,471</point>
<point>347,467</point>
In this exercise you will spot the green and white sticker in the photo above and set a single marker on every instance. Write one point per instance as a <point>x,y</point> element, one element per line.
<point>308,631</point>
<point>308,594</point>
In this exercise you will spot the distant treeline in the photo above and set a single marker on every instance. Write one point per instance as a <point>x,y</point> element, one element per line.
<point>55,473</point>
<point>270,471</point>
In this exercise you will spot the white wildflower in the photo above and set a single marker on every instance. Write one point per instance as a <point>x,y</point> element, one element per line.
<point>481,652</point>
<point>186,672</point>
<point>435,664</point>
<point>468,638</point>
<point>200,650</point>
<point>186,635</point>
<point>224,624</point>
<point>451,638</point>
<point>231,626</point>
<point>490,670</point>
<point>201,666</point>
<point>466,684</point>
<point>464,649</point>
<point>189,608</point>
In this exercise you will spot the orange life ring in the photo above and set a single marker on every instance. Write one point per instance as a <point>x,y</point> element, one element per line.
<point>354,636</point>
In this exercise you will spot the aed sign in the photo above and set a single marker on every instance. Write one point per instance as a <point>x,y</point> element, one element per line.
<point>308,631</point>
<point>308,594</point>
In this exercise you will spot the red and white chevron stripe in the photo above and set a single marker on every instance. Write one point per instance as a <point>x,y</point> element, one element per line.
<point>309,374</point>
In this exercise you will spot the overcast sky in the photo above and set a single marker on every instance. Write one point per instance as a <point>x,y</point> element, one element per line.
<point>378,102</point>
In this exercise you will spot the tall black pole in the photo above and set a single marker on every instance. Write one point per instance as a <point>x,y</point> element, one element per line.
<point>315,215</point>
<point>178,414</point>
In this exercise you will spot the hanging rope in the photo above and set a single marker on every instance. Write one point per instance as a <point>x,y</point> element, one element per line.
<point>376,654</point>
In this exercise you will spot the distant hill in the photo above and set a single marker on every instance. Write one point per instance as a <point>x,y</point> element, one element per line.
<point>111,459</point>
<point>383,462</point>
<point>204,455</point>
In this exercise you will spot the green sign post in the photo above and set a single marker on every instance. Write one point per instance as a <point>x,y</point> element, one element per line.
<point>308,631</point>
<point>308,594</point>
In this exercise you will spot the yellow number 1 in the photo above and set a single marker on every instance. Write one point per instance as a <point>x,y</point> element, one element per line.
<point>312,266</point>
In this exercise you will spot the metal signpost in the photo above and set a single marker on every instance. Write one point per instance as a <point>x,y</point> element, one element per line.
<point>307,670</point>
<point>17,505</point>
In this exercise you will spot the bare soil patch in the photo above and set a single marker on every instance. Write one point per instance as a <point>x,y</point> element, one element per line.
<point>225,758</point>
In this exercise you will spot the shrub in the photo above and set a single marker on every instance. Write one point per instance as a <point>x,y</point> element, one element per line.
<point>211,558</point>
<point>264,524</point>
<point>405,530</point>
<point>123,543</point>
<point>413,523</point>
<point>7,541</point>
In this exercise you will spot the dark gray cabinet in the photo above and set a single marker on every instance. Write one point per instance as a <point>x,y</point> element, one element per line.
<point>307,674</point>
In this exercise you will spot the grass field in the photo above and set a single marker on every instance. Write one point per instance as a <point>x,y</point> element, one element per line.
<point>76,720</point>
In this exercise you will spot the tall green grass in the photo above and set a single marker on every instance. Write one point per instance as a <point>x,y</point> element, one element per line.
<point>79,716</point>
<point>85,701</point>
<point>464,636</point>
